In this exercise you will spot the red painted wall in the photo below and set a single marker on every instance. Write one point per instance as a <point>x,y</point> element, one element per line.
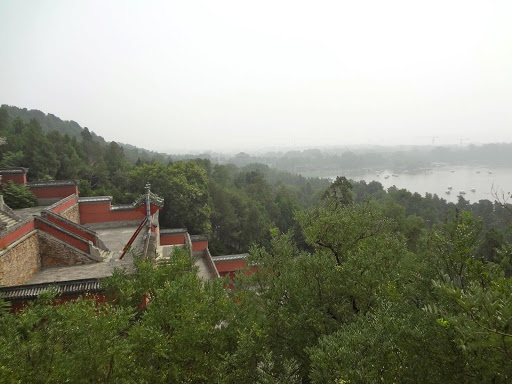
<point>65,205</point>
<point>172,239</point>
<point>229,267</point>
<point>153,208</point>
<point>136,214</point>
<point>93,213</point>
<point>82,245</point>
<point>19,178</point>
<point>199,245</point>
<point>54,191</point>
<point>101,213</point>
<point>11,237</point>
<point>70,228</point>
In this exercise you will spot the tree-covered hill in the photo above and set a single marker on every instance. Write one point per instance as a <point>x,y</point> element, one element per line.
<point>50,122</point>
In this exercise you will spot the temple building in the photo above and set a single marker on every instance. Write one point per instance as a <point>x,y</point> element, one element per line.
<point>70,243</point>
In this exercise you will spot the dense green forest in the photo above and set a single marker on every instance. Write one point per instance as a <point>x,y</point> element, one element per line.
<point>354,283</point>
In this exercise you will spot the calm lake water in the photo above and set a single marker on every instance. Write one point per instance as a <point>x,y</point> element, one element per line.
<point>437,180</point>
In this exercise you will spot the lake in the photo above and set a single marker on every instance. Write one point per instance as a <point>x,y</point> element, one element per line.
<point>437,180</point>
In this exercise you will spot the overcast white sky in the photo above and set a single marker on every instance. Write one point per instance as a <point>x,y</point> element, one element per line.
<point>218,75</point>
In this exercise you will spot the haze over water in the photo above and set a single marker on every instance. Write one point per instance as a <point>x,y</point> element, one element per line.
<point>437,180</point>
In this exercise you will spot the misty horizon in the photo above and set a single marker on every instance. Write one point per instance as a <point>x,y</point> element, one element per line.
<point>423,143</point>
<point>226,76</point>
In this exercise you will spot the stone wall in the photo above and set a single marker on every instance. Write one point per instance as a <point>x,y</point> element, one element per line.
<point>20,261</point>
<point>72,214</point>
<point>56,253</point>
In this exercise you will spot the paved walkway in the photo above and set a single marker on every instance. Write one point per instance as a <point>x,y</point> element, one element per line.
<point>115,239</point>
<point>200,262</point>
<point>29,212</point>
<point>77,272</point>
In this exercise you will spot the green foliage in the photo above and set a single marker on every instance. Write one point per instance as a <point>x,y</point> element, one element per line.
<point>340,192</point>
<point>49,344</point>
<point>39,152</point>
<point>492,242</point>
<point>302,296</point>
<point>481,317</point>
<point>13,159</point>
<point>359,307</point>
<point>18,196</point>
<point>184,186</point>
<point>362,308</point>
<point>396,343</point>
<point>178,337</point>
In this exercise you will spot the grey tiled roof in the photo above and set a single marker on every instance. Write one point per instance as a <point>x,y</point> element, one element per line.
<point>154,198</point>
<point>64,288</point>
<point>13,170</point>
<point>122,207</point>
<point>240,256</point>
<point>62,201</point>
<point>167,231</point>
<point>198,238</point>
<point>55,183</point>
<point>94,199</point>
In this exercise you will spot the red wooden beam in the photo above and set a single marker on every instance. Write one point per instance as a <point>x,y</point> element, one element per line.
<point>134,236</point>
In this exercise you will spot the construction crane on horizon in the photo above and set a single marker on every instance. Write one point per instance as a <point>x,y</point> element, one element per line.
<point>428,137</point>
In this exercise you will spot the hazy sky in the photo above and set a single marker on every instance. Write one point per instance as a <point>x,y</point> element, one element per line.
<point>239,75</point>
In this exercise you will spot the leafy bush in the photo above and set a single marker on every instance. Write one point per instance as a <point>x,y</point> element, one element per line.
<point>18,196</point>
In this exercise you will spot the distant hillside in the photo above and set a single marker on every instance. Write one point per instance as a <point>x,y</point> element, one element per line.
<point>48,121</point>
<point>51,122</point>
